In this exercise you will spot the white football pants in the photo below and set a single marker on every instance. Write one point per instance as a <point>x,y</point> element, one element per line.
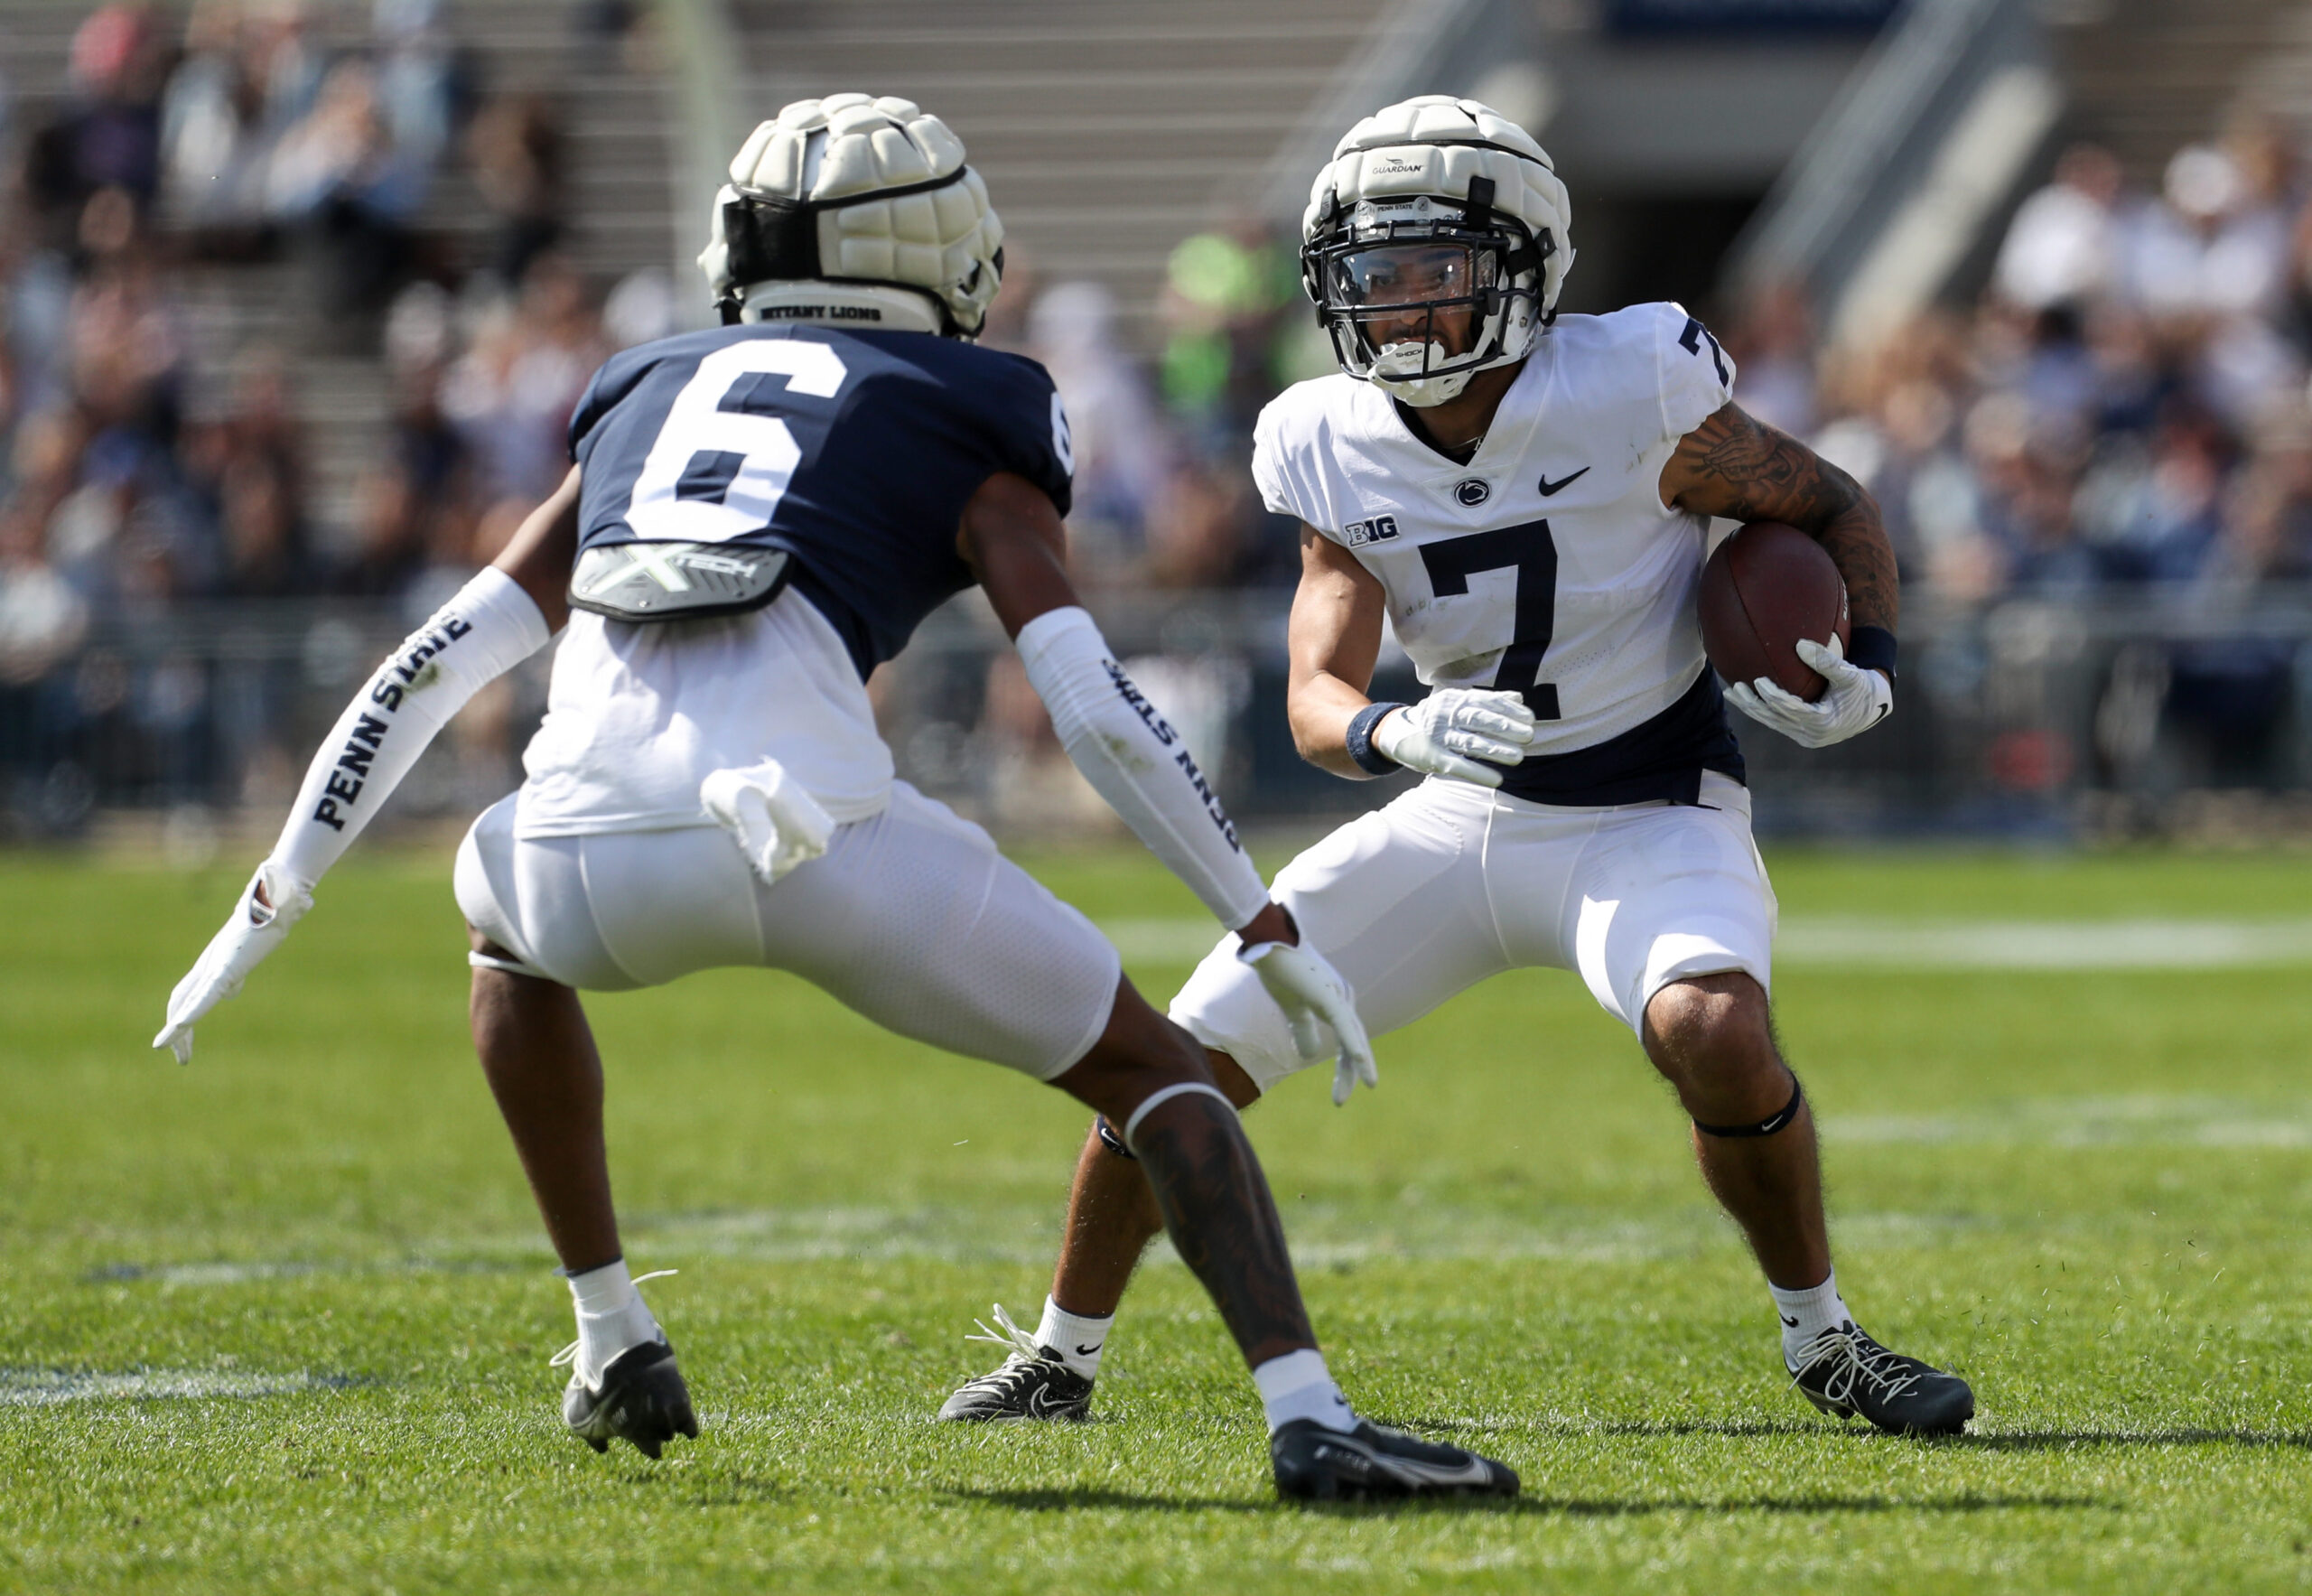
<point>911,918</point>
<point>1450,883</point>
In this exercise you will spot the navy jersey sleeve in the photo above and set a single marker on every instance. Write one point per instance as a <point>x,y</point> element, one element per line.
<point>1028,430</point>
<point>610,381</point>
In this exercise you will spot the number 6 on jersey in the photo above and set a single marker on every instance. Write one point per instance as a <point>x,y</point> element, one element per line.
<point>720,467</point>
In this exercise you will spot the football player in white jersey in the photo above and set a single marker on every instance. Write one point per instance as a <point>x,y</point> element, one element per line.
<point>708,787</point>
<point>1525,498</point>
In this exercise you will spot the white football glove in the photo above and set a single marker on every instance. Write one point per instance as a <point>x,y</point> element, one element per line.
<point>1446,733</point>
<point>256,928</point>
<point>1313,995</point>
<point>1855,701</point>
<point>776,824</point>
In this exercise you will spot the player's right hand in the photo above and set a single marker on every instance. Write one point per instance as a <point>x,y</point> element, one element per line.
<point>1449,732</point>
<point>273,902</point>
<point>1314,995</point>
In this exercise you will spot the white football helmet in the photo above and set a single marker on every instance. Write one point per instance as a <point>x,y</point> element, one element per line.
<point>1437,222</point>
<point>856,210</point>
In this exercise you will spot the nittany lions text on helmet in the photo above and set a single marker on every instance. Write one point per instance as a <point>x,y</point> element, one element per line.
<point>858,211</point>
<point>1434,245</point>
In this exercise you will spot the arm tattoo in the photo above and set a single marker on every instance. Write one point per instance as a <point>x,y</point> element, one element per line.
<point>1736,466</point>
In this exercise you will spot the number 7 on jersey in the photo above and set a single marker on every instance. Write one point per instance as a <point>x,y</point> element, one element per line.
<point>1531,553</point>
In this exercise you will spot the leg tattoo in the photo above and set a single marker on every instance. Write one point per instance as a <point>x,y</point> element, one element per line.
<point>1216,1204</point>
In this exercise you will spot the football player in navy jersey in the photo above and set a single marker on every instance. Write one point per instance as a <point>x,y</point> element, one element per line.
<point>757,517</point>
<point>1525,499</point>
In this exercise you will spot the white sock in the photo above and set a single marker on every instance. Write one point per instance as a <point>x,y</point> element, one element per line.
<point>1077,1337</point>
<point>1298,1386</point>
<point>1808,1313</point>
<point>611,1318</point>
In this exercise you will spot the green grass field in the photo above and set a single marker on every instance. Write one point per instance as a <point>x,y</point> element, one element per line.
<point>281,1321</point>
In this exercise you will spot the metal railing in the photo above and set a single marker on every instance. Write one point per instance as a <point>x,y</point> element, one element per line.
<point>2043,714</point>
<point>1898,178</point>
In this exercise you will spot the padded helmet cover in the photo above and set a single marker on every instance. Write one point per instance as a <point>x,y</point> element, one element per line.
<point>1434,147</point>
<point>860,190</point>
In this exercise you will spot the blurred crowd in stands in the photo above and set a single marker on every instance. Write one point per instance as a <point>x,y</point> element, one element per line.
<point>2127,405</point>
<point>2123,415</point>
<point>225,234</point>
<point>1162,496</point>
<point>220,224</point>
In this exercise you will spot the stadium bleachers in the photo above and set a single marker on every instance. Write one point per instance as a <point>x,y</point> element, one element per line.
<point>1111,137</point>
<point>1110,132</point>
<point>2147,75</point>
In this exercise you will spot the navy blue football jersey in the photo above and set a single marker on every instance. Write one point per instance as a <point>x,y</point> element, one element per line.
<point>853,452</point>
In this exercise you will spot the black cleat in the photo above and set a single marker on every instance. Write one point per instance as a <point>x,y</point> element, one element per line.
<point>641,1399</point>
<point>1846,1373</point>
<point>1022,1388</point>
<point>1369,1463</point>
<point>1032,1383</point>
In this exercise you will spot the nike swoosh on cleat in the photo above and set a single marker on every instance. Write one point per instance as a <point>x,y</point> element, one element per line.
<point>1549,488</point>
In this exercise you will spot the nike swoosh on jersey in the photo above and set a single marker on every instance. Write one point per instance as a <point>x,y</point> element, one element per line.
<point>1549,488</point>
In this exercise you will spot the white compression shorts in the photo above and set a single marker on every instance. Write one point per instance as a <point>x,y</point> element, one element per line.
<point>911,918</point>
<point>1450,883</point>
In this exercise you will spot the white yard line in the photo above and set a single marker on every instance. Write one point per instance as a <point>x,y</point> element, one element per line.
<point>1822,940</point>
<point>2142,1119</point>
<point>43,1387</point>
<point>2045,945</point>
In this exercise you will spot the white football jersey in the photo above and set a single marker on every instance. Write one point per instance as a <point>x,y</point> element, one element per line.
<point>1548,563</point>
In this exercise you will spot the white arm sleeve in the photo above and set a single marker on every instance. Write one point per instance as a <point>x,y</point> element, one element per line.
<point>1136,762</point>
<point>489,627</point>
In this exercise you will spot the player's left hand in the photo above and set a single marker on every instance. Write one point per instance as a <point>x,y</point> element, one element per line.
<point>274,902</point>
<point>1313,994</point>
<point>1855,701</point>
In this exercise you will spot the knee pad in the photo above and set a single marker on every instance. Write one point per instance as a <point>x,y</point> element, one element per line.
<point>1764,1127</point>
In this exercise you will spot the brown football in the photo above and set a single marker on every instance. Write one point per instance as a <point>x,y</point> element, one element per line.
<point>1765,587</point>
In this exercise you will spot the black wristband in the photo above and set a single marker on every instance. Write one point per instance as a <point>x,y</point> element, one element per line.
<point>1360,739</point>
<point>1873,649</point>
